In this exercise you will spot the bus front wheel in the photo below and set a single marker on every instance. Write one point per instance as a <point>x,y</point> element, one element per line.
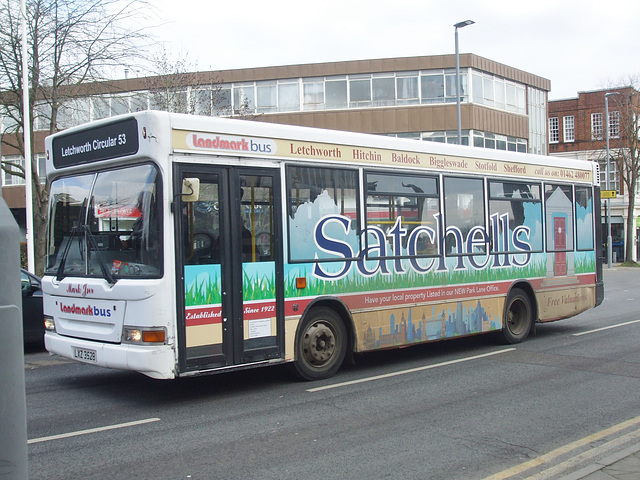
<point>518,317</point>
<point>321,345</point>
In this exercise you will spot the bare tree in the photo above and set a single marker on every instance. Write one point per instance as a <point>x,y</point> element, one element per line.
<point>178,86</point>
<point>169,82</point>
<point>625,109</point>
<point>71,43</point>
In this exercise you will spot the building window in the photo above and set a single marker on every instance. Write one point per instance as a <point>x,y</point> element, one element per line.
<point>451,87</point>
<point>119,106</point>
<point>407,88</point>
<point>139,101</point>
<point>480,139</point>
<point>336,92</point>
<point>554,130</point>
<point>596,126</point>
<point>243,99</point>
<point>438,137</point>
<point>266,96</point>
<point>614,178</point>
<point>289,95</point>
<point>569,129</point>
<point>313,93</point>
<point>432,88</point>
<point>14,163</point>
<point>439,86</point>
<point>614,124</point>
<point>41,160</point>
<point>7,119</point>
<point>537,108</point>
<point>42,116</point>
<point>360,91</point>
<point>221,101</point>
<point>74,111</point>
<point>383,90</point>
<point>100,107</point>
<point>485,90</point>
<point>450,136</point>
<point>499,93</point>
<point>201,101</point>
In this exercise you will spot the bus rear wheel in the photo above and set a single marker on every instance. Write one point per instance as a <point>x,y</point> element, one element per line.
<point>518,317</point>
<point>321,345</point>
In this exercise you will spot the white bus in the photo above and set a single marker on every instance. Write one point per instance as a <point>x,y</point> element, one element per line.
<point>182,245</point>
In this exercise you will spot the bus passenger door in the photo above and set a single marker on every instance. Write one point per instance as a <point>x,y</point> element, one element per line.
<point>255,247</point>
<point>229,268</point>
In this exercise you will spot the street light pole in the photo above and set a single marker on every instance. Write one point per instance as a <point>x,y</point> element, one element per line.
<point>458,93</point>
<point>26,131</point>
<point>606,114</point>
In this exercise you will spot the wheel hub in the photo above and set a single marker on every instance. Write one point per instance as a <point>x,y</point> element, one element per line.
<point>319,343</point>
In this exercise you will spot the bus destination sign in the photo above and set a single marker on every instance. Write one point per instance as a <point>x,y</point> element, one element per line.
<point>113,140</point>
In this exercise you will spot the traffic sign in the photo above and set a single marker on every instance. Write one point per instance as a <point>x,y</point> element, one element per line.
<point>608,193</point>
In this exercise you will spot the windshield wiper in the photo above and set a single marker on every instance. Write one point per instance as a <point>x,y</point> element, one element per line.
<point>63,259</point>
<point>74,232</point>
<point>103,267</point>
<point>87,231</point>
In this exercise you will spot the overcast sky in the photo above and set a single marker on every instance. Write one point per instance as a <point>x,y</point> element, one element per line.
<point>580,45</point>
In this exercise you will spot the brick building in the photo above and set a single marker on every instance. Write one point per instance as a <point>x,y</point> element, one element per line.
<point>577,129</point>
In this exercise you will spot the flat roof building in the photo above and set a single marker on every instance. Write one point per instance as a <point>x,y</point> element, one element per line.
<point>410,97</point>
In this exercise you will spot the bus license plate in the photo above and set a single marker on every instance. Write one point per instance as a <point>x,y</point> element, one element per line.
<point>84,355</point>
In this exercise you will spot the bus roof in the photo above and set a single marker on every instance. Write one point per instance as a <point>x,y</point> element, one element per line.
<point>152,133</point>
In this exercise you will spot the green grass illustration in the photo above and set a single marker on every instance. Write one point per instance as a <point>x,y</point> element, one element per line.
<point>356,283</point>
<point>207,291</point>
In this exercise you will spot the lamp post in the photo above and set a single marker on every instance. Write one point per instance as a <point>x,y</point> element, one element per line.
<point>606,114</point>
<point>26,131</point>
<point>458,93</point>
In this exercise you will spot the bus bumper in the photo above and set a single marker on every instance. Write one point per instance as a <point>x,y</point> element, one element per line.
<point>154,361</point>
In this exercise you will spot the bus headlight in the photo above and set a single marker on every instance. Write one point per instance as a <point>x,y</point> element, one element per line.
<point>49,324</point>
<point>144,336</point>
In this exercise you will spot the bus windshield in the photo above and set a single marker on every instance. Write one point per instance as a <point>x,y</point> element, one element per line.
<point>106,224</point>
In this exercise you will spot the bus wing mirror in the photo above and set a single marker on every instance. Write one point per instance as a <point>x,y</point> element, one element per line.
<point>190,189</point>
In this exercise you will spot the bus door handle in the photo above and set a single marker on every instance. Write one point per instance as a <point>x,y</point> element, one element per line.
<point>224,319</point>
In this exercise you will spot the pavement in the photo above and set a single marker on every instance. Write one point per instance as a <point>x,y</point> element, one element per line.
<point>624,465</point>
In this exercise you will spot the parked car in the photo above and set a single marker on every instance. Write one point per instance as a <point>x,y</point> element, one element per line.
<point>32,318</point>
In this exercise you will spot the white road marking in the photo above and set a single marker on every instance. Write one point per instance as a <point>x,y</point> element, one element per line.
<point>411,370</point>
<point>606,328</point>
<point>92,430</point>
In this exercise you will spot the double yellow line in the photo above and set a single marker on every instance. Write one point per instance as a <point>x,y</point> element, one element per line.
<point>566,449</point>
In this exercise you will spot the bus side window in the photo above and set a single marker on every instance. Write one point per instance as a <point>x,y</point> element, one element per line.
<point>201,225</point>
<point>256,210</point>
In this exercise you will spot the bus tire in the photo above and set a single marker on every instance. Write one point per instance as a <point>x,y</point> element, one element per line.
<point>321,345</point>
<point>518,317</point>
